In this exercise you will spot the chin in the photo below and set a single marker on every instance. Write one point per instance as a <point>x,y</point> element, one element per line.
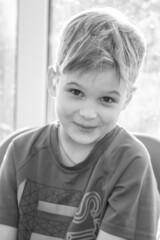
<point>84,139</point>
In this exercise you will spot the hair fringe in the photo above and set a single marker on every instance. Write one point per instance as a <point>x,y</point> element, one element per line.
<point>96,38</point>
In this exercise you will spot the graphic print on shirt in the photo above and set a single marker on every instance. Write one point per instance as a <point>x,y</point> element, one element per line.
<point>87,215</point>
<point>45,211</point>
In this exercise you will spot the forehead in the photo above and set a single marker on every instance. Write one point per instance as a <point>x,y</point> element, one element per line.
<point>96,79</point>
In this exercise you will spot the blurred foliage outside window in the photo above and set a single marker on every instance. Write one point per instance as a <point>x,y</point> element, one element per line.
<point>8,39</point>
<point>143,113</point>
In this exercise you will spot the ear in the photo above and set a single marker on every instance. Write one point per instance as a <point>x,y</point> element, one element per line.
<point>52,81</point>
<point>129,96</point>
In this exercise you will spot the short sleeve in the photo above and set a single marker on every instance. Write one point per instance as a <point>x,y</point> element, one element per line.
<point>133,207</point>
<point>8,190</point>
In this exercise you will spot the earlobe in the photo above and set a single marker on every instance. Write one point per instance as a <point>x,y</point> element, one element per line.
<point>52,80</point>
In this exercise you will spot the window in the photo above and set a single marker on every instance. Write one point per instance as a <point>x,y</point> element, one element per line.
<point>8,47</point>
<point>143,113</point>
<point>23,64</point>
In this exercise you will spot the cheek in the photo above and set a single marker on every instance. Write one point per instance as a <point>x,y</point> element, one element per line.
<point>110,116</point>
<point>60,108</point>
<point>63,108</point>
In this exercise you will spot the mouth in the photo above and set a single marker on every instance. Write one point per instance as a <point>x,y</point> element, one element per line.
<point>86,127</point>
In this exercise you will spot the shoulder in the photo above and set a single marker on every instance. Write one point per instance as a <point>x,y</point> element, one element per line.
<point>30,142</point>
<point>31,137</point>
<point>126,150</point>
<point>128,143</point>
<point>36,136</point>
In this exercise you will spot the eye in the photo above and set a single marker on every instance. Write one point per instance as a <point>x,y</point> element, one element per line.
<point>107,99</point>
<point>76,92</point>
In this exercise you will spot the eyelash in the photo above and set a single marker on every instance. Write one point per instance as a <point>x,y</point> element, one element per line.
<point>109,100</point>
<point>78,93</point>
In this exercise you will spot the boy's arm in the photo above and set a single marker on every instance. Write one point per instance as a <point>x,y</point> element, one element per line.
<point>103,236</point>
<point>8,233</point>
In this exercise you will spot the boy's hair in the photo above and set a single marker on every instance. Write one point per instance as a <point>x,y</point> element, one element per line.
<point>99,37</point>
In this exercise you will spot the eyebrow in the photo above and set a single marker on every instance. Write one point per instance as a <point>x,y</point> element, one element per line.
<point>74,83</point>
<point>114,92</point>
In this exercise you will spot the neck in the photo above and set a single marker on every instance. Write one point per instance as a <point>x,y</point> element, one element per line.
<point>72,153</point>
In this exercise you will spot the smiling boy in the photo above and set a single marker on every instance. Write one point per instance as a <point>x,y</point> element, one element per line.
<point>84,177</point>
<point>87,107</point>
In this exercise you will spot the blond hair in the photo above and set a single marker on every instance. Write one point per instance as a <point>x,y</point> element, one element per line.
<point>98,37</point>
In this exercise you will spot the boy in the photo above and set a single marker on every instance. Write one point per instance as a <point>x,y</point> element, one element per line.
<point>84,177</point>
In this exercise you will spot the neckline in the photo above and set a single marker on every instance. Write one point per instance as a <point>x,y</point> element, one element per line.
<point>63,154</point>
<point>93,156</point>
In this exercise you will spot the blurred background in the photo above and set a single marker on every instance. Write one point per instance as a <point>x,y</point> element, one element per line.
<point>29,32</point>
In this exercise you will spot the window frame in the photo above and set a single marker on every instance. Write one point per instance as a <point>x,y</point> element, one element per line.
<point>32,59</point>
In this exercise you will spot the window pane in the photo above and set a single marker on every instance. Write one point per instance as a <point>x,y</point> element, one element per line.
<point>143,113</point>
<point>8,39</point>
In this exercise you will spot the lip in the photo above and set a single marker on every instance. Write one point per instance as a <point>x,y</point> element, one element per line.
<point>84,126</point>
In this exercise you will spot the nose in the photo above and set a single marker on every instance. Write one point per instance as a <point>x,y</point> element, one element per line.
<point>88,113</point>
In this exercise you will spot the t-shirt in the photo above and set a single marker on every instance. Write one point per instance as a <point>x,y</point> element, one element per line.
<point>113,189</point>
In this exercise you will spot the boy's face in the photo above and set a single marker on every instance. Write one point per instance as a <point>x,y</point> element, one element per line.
<point>88,104</point>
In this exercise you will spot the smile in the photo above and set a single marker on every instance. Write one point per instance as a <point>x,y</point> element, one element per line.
<point>87,127</point>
